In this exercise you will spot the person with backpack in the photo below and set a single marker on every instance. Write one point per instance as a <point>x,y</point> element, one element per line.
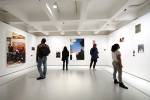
<point>94,56</point>
<point>43,51</point>
<point>117,64</point>
<point>65,55</point>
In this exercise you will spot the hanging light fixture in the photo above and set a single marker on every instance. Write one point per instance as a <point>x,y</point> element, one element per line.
<point>55,5</point>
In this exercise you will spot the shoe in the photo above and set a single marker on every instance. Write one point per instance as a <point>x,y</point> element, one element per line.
<point>116,81</point>
<point>123,86</point>
<point>39,78</point>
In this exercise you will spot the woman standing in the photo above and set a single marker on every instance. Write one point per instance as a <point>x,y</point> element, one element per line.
<point>65,55</point>
<point>117,64</point>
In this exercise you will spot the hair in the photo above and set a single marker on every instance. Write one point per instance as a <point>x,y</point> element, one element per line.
<point>65,48</point>
<point>115,47</point>
<point>43,40</point>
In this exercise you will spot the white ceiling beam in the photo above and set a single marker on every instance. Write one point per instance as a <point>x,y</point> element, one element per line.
<point>125,6</point>
<point>83,13</point>
<point>62,21</point>
<point>67,30</point>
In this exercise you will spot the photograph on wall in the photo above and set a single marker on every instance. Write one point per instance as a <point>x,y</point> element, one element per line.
<point>57,54</point>
<point>33,48</point>
<point>137,28</point>
<point>15,49</point>
<point>141,48</point>
<point>121,39</point>
<point>77,49</point>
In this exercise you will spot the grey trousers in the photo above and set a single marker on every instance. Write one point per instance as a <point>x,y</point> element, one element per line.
<point>41,61</point>
<point>117,68</point>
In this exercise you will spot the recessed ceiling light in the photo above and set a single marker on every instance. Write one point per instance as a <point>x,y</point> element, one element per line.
<point>54,6</point>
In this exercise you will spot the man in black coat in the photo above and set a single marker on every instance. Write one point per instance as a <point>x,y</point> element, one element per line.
<point>94,55</point>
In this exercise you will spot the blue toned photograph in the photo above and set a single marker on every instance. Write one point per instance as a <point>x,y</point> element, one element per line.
<point>77,49</point>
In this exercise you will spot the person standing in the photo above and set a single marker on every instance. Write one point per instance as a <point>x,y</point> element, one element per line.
<point>117,64</point>
<point>94,56</point>
<point>65,55</point>
<point>43,51</point>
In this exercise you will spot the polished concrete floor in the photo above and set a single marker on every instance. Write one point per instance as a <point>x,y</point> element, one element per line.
<point>74,84</point>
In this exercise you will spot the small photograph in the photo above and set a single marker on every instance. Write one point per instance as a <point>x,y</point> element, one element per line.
<point>137,28</point>
<point>141,48</point>
<point>33,48</point>
<point>57,54</point>
<point>121,39</point>
<point>133,52</point>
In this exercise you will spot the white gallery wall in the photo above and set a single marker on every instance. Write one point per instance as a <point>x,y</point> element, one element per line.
<point>56,44</point>
<point>139,64</point>
<point>30,40</point>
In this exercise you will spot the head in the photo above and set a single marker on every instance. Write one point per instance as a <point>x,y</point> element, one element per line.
<point>43,40</point>
<point>94,45</point>
<point>65,48</point>
<point>115,47</point>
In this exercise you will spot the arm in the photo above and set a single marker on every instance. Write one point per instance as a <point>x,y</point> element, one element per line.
<point>37,51</point>
<point>91,52</point>
<point>119,60</point>
<point>49,51</point>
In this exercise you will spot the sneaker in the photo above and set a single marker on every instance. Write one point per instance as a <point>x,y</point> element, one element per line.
<point>123,86</point>
<point>39,78</point>
<point>116,81</point>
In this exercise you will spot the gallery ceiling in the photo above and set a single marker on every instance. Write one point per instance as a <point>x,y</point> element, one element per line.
<point>71,17</point>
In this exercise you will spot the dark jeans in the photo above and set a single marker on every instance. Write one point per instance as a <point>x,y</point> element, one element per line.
<point>65,61</point>
<point>41,61</point>
<point>93,61</point>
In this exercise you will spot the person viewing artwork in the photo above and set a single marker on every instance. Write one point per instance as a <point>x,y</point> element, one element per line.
<point>43,51</point>
<point>94,56</point>
<point>65,56</point>
<point>117,65</point>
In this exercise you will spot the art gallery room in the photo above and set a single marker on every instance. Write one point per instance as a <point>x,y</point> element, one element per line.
<point>74,49</point>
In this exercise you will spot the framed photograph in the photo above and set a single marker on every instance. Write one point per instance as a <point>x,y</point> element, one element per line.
<point>33,48</point>
<point>121,39</point>
<point>137,28</point>
<point>57,54</point>
<point>141,48</point>
<point>77,49</point>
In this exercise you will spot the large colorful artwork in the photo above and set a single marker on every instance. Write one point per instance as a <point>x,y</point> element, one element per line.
<point>15,49</point>
<point>77,49</point>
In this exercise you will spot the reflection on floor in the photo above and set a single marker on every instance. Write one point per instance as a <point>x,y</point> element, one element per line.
<point>68,85</point>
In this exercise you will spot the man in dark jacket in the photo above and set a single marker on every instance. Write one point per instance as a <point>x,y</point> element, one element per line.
<point>41,58</point>
<point>94,56</point>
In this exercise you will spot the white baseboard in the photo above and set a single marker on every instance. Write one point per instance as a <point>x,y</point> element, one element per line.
<point>136,82</point>
<point>11,76</point>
